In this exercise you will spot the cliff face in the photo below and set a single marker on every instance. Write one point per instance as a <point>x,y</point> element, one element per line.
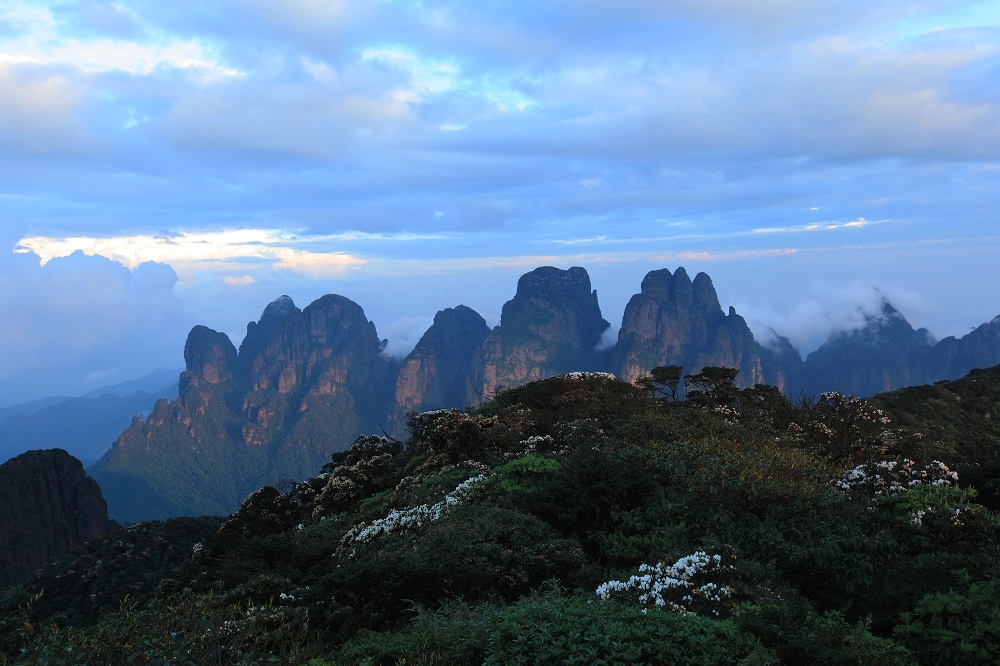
<point>552,325</point>
<point>782,365</point>
<point>303,385</point>
<point>955,357</point>
<point>48,505</point>
<point>674,321</point>
<point>441,369</point>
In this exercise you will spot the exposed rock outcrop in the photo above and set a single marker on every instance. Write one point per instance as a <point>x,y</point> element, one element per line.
<point>303,385</point>
<point>782,365</point>
<point>48,505</point>
<point>441,369</point>
<point>674,321</point>
<point>552,325</point>
<point>955,357</point>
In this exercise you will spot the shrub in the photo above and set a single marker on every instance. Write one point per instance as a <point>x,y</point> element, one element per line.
<point>575,630</point>
<point>955,627</point>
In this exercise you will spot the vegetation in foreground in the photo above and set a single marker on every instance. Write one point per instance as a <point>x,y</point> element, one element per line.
<point>576,519</point>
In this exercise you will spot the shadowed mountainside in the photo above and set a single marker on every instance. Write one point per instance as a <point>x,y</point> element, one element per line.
<point>48,505</point>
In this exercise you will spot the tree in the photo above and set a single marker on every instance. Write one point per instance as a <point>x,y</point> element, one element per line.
<point>713,384</point>
<point>662,382</point>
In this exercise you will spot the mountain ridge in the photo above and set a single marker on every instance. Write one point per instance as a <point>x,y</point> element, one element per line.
<point>304,383</point>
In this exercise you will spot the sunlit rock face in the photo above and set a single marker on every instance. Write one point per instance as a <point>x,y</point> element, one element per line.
<point>48,506</point>
<point>306,382</point>
<point>552,325</point>
<point>674,321</point>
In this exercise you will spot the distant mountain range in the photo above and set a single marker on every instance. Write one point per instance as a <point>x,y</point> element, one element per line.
<point>85,426</point>
<point>305,383</point>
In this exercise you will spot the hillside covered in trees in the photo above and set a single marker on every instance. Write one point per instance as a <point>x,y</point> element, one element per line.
<point>575,519</point>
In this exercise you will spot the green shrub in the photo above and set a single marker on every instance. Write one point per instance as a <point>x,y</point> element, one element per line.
<point>955,627</point>
<point>790,629</point>
<point>578,630</point>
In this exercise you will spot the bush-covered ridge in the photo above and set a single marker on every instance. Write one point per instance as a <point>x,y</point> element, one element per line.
<point>579,519</point>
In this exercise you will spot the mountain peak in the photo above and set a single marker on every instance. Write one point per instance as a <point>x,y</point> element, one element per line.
<point>552,325</point>
<point>545,281</point>
<point>209,354</point>
<point>280,308</point>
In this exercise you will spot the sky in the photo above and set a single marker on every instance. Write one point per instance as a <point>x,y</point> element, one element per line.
<point>166,164</point>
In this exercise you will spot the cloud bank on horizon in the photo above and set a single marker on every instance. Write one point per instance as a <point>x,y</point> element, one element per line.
<point>163,164</point>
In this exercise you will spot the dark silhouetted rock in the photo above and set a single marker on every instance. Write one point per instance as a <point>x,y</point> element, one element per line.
<point>955,357</point>
<point>782,364</point>
<point>884,354</point>
<point>48,505</point>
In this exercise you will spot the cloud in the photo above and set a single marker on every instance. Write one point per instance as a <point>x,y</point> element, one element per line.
<point>187,250</point>
<point>828,309</point>
<point>38,112</point>
<point>78,315</point>
<point>860,223</point>
<point>404,333</point>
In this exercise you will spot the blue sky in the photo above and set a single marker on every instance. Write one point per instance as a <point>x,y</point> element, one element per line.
<point>166,164</point>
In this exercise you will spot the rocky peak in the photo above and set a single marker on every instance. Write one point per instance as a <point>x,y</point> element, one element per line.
<point>277,313</point>
<point>882,354</point>
<point>48,505</point>
<point>887,326</point>
<point>781,362</point>
<point>209,355</point>
<point>548,283</point>
<point>552,325</point>
<point>703,297</point>
<point>551,302</point>
<point>441,369</point>
<point>674,321</point>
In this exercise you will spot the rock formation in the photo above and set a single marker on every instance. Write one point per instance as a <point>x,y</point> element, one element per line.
<point>303,385</point>
<point>552,325</point>
<point>782,365</point>
<point>441,369</point>
<point>48,505</point>
<point>955,357</point>
<point>674,321</point>
<point>885,354</point>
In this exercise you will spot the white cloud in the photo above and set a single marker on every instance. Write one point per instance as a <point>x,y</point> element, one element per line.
<point>187,250</point>
<point>404,333</point>
<point>38,113</point>
<point>827,309</point>
<point>77,316</point>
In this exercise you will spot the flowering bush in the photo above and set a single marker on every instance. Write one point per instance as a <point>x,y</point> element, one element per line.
<point>412,517</point>
<point>682,587</point>
<point>893,476</point>
<point>848,427</point>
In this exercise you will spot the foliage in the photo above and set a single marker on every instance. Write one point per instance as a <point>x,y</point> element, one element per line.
<point>576,519</point>
<point>540,630</point>
<point>955,627</point>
